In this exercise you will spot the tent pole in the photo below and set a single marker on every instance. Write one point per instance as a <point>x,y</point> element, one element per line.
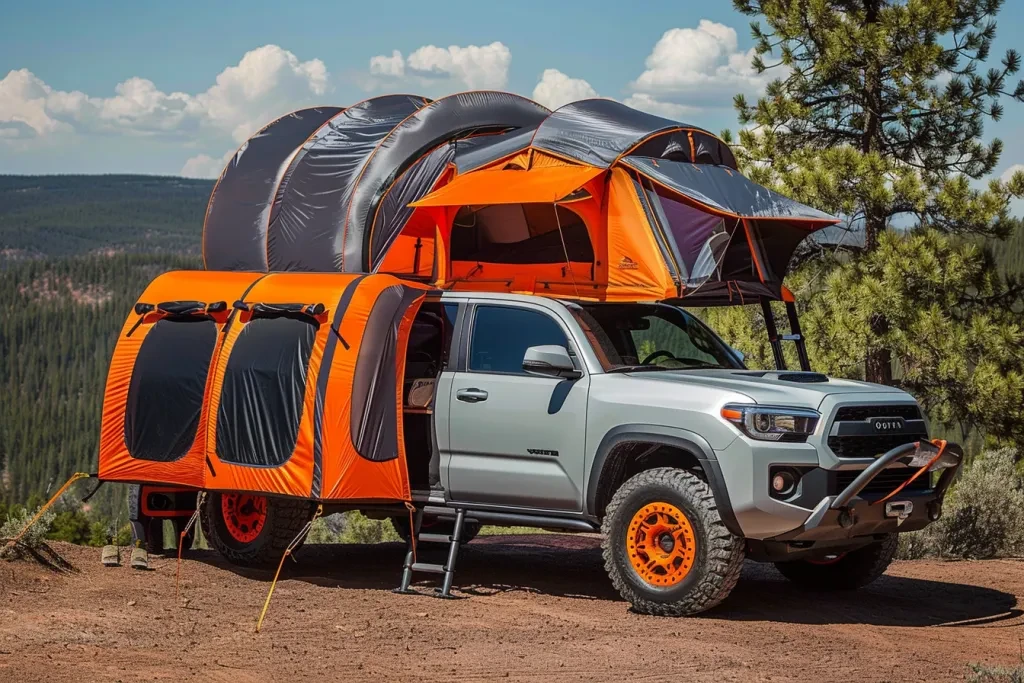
<point>794,330</point>
<point>565,251</point>
<point>773,333</point>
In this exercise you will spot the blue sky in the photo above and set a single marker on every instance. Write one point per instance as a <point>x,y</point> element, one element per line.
<point>169,88</point>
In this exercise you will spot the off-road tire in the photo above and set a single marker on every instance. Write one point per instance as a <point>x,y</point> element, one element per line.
<point>446,527</point>
<point>718,556</point>
<point>285,518</point>
<point>853,570</point>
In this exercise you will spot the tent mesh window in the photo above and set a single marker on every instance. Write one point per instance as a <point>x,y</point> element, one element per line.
<point>165,396</point>
<point>519,233</point>
<point>263,393</point>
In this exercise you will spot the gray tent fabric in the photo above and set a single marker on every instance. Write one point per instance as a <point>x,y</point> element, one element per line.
<point>480,151</point>
<point>307,222</point>
<point>598,132</point>
<point>394,211</point>
<point>443,120</point>
<point>727,191</point>
<point>235,228</point>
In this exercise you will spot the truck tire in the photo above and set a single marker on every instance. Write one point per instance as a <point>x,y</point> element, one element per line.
<point>665,546</point>
<point>849,571</point>
<point>252,530</point>
<point>436,526</point>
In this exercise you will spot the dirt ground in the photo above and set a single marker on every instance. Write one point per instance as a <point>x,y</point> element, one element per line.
<point>534,608</point>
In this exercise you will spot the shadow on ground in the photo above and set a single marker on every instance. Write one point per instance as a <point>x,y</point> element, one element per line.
<point>572,566</point>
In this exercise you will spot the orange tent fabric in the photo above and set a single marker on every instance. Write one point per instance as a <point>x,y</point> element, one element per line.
<point>294,389</point>
<point>539,185</point>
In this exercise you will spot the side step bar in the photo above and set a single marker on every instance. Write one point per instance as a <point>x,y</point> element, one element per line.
<point>512,519</point>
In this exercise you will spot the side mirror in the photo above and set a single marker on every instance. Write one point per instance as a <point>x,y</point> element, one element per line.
<point>551,361</point>
<point>739,354</point>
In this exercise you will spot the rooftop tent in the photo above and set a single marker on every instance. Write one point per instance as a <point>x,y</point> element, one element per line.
<point>668,223</point>
<point>293,390</point>
<point>235,226</point>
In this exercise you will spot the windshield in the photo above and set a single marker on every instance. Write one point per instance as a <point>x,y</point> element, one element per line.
<point>651,337</point>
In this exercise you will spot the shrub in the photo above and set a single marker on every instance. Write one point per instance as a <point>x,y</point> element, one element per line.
<point>983,515</point>
<point>15,523</point>
<point>996,674</point>
<point>362,529</point>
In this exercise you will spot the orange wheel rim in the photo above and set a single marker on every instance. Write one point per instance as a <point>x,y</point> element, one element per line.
<point>661,544</point>
<point>244,515</point>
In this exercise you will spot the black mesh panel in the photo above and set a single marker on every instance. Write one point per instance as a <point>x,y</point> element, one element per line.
<point>168,382</point>
<point>262,396</point>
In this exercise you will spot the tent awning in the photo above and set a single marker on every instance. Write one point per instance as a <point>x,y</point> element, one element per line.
<point>542,185</point>
<point>726,191</point>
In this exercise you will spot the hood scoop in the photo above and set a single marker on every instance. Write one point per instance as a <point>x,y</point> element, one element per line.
<point>783,376</point>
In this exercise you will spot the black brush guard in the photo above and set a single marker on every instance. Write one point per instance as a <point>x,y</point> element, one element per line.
<point>846,515</point>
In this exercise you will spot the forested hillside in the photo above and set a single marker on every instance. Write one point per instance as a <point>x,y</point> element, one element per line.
<point>75,252</point>
<point>76,215</point>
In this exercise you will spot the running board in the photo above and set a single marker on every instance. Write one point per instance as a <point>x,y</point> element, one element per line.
<point>513,519</point>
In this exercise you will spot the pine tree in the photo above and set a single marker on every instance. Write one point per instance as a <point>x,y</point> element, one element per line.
<point>878,115</point>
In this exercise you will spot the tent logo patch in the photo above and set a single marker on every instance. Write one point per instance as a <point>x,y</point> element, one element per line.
<point>628,264</point>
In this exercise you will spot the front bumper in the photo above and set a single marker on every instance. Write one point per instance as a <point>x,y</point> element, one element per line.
<point>848,516</point>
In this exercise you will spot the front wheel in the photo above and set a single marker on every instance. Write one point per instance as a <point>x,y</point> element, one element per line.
<point>252,530</point>
<point>666,548</point>
<point>847,571</point>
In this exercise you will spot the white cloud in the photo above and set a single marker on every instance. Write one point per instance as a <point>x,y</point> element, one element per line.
<point>205,166</point>
<point>474,67</point>
<point>267,82</point>
<point>555,89</point>
<point>697,68</point>
<point>1008,173</point>
<point>651,105</point>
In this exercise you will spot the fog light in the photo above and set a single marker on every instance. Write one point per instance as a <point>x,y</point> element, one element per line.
<point>784,482</point>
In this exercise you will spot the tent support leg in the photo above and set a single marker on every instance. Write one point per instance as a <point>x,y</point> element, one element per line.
<point>794,329</point>
<point>773,334</point>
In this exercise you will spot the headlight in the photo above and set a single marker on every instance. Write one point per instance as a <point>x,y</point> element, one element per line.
<point>772,423</point>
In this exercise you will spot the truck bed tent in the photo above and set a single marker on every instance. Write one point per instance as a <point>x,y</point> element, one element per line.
<point>609,203</point>
<point>328,189</point>
<point>286,384</point>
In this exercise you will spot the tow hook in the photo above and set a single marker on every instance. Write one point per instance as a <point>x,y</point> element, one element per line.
<point>900,509</point>
<point>934,510</point>
<point>846,518</point>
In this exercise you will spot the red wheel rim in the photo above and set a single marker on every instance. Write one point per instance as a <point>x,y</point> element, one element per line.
<point>244,515</point>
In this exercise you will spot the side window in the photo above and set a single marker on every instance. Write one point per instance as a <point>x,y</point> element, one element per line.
<point>501,335</point>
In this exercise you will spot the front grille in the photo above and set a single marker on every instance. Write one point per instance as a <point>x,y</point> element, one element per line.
<point>869,446</point>
<point>886,481</point>
<point>908,411</point>
<point>851,436</point>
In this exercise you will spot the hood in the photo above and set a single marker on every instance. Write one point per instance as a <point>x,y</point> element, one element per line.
<point>772,387</point>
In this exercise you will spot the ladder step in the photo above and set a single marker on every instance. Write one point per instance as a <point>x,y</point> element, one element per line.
<point>435,538</point>
<point>429,568</point>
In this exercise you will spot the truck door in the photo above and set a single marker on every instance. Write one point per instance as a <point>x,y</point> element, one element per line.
<point>515,439</point>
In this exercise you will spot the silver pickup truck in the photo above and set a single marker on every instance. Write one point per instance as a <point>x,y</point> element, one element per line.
<point>639,421</point>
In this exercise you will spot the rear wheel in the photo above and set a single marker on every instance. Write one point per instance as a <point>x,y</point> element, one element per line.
<point>843,571</point>
<point>252,530</point>
<point>666,548</point>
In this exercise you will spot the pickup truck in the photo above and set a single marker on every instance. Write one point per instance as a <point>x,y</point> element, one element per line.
<point>637,421</point>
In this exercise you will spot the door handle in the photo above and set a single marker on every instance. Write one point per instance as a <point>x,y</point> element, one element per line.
<point>471,395</point>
